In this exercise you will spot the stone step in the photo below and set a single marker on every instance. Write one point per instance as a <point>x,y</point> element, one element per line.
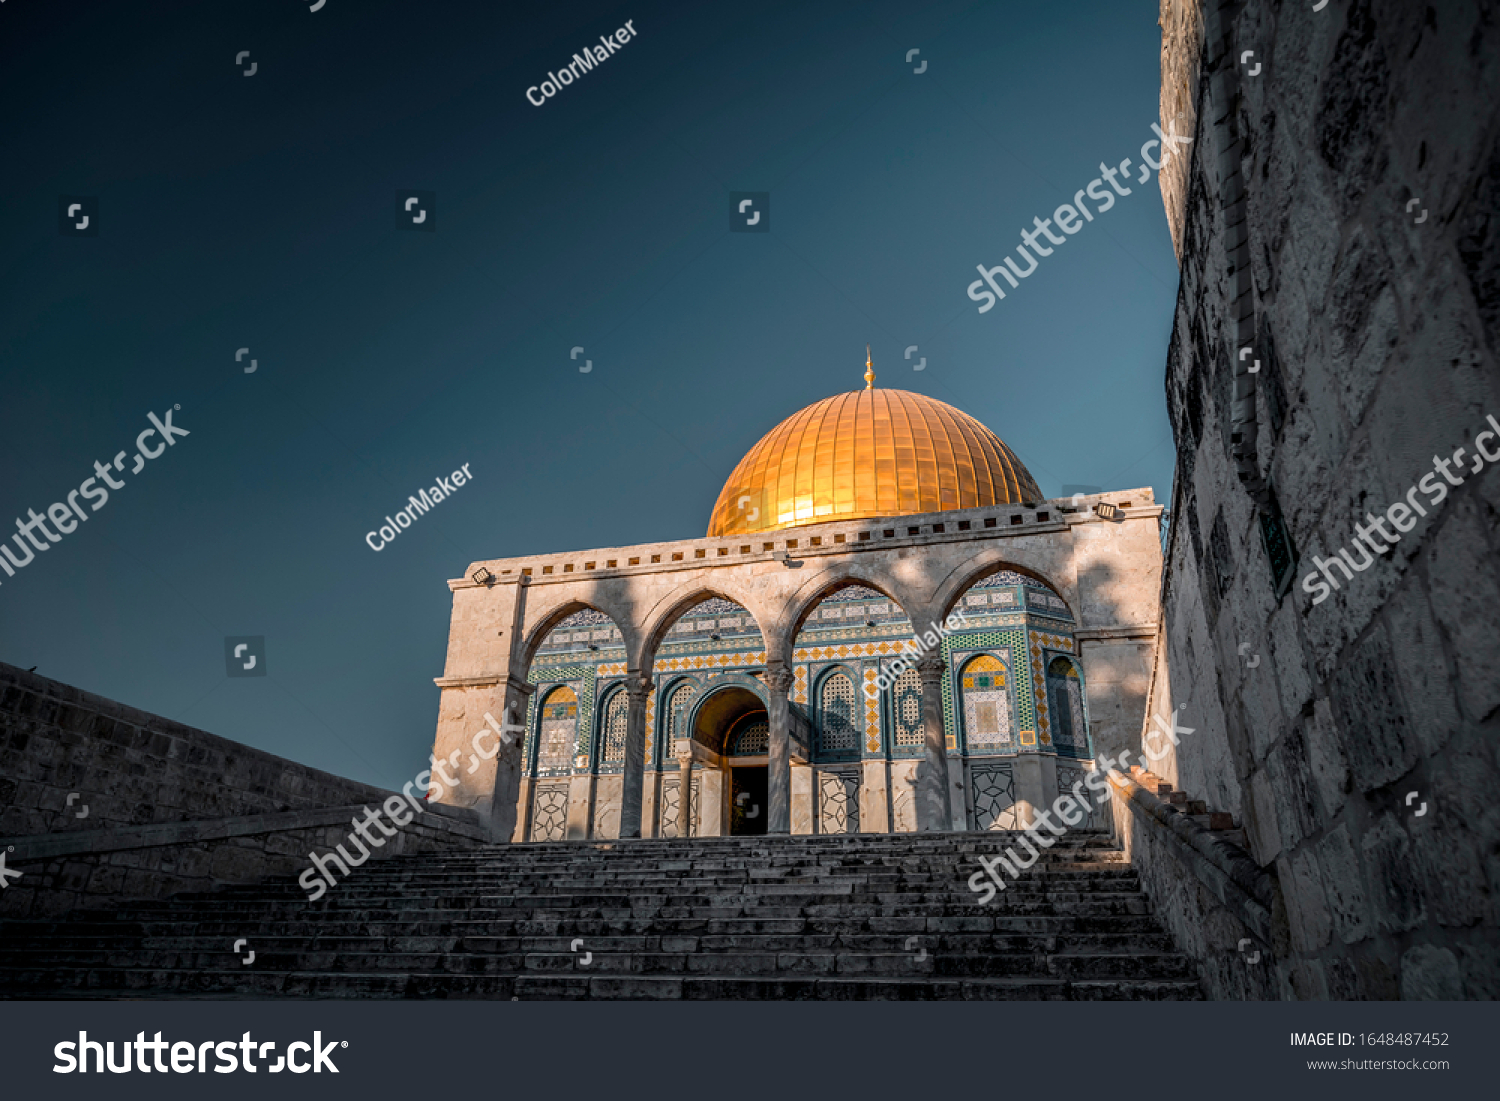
<point>737,963</point>
<point>860,941</point>
<point>105,982</point>
<point>869,916</point>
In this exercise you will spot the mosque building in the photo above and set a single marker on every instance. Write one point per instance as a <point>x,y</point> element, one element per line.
<point>886,628</point>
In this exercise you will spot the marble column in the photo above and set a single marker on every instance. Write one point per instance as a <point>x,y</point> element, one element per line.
<point>933,811</point>
<point>778,679</point>
<point>637,688</point>
<point>685,789</point>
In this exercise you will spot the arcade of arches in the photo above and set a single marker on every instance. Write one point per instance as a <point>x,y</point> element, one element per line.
<point>860,731</point>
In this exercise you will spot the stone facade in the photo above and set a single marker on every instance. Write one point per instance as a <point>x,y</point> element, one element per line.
<point>626,780</point>
<point>103,802</point>
<point>1336,328</point>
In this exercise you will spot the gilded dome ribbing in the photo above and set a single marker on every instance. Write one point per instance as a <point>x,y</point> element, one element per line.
<point>869,453</point>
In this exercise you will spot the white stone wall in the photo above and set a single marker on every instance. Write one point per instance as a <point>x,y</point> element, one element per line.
<point>1376,330</point>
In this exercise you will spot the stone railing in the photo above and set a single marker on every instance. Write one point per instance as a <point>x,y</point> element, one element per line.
<point>1219,905</point>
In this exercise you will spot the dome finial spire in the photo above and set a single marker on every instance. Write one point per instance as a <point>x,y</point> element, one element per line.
<point>869,370</point>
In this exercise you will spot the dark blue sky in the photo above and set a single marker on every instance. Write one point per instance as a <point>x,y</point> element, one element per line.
<point>258,212</point>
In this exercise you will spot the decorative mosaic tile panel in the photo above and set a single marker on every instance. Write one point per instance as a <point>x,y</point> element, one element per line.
<point>564,710</point>
<point>958,647</point>
<point>1040,640</point>
<point>671,790</point>
<point>986,711</point>
<point>650,727</point>
<point>872,712</point>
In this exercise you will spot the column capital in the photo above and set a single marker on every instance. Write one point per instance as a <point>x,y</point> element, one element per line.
<point>638,684</point>
<point>931,667</point>
<point>778,678</point>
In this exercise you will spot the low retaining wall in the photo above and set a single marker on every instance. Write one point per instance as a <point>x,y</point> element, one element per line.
<point>1222,909</point>
<point>166,808</point>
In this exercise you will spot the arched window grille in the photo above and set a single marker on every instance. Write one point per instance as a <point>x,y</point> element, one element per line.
<point>906,707</point>
<point>612,733</point>
<point>751,737</point>
<point>677,717</point>
<point>837,712</point>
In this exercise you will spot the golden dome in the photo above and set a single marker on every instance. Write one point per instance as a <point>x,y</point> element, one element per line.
<point>869,453</point>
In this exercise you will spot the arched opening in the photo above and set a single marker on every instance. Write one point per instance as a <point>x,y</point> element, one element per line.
<point>1065,693</point>
<point>730,730</point>
<point>842,644</point>
<point>1012,698</point>
<point>574,757</point>
<point>705,642</point>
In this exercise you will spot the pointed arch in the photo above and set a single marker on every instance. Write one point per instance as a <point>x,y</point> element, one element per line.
<point>1068,701</point>
<point>661,618</point>
<point>801,605</point>
<point>949,594</point>
<point>566,610</point>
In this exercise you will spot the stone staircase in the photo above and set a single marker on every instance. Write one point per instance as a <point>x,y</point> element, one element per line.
<point>856,917</point>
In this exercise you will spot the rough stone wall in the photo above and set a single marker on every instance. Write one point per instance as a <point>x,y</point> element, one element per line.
<point>1377,328</point>
<point>132,768</point>
<point>136,772</point>
<point>100,880</point>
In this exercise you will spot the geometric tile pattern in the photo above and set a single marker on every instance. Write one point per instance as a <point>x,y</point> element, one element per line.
<point>1040,639</point>
<point>987,725</point>
<point>1010,642</point>
<point>838,800</point>
<point>906,708</point>
<point>549,814</point>
<point>872,712</point>
<point>992,788</point>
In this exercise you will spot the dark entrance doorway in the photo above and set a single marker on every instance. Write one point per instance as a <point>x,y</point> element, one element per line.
<point>747,809</point>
